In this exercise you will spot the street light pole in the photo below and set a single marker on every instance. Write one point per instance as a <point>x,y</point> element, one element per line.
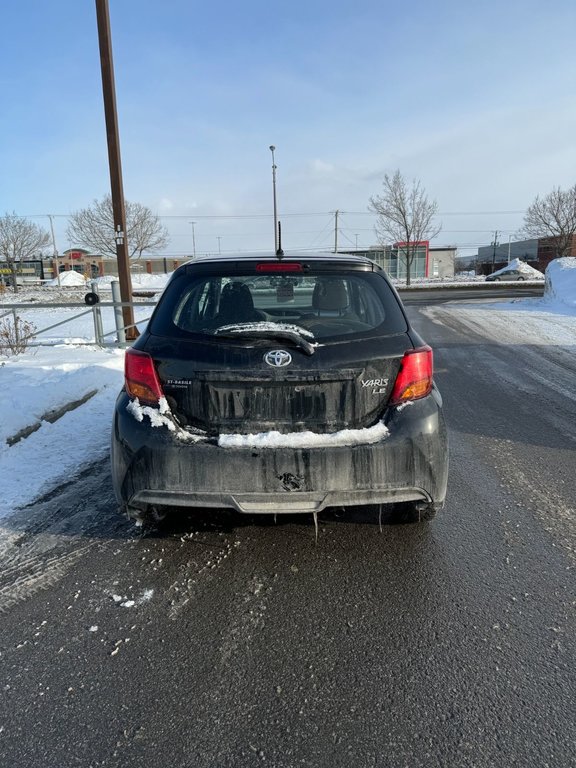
<point>193,240</point>
<point>336,231</point>
<point>272,148</point>
<point>54,250</point>
<point>219,251</point>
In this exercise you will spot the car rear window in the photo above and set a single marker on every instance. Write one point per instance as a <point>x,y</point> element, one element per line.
<point>324,305</point>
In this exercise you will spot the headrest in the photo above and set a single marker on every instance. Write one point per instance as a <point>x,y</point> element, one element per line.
<point>330,295</point>
<point>238,295</point>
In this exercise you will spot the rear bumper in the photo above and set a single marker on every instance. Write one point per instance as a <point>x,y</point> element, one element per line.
<point>152,467</point>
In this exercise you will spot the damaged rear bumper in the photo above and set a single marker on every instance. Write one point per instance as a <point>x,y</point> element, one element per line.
<point>152,467</point>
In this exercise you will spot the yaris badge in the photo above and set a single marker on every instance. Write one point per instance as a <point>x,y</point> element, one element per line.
<point>278,358</point>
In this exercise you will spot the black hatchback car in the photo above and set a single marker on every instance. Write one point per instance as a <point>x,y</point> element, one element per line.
<point>272,385</point>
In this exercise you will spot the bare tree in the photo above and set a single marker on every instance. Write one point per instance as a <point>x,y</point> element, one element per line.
<point>553,216</point>
<point>93,228</point>
<point>405,215</point>
<point>20,239</point>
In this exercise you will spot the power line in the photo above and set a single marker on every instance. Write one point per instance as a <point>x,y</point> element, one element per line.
<point>284,215</point>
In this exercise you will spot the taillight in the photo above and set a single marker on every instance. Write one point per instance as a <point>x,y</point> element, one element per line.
<point>141,378</point>
<point>414,378</point>
<point>279,266</point>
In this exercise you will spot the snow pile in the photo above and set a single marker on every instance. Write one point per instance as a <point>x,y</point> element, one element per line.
<point>68,279</point>
<point>150,281</point>
<point>521,266</point>
<point>57,376</point>
<point>156,282</point>
<point>561,281</point>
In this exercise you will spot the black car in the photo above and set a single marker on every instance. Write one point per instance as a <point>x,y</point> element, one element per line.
<point>273,385</point>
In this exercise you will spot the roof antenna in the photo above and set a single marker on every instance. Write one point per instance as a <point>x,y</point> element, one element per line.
<point>279,251</point>
<point>277,245</point>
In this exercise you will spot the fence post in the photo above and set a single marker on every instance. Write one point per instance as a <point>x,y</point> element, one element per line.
<point>98,329</point>
<point>16,329</point>
<point>118,314</point>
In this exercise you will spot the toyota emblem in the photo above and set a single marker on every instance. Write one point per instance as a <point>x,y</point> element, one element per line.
<point>278,358</point>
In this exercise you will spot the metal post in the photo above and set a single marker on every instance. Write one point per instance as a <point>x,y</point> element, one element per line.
<point>16,330</point>
<point>118,316</point>
<point>98,328</point>
<point>336,231</point>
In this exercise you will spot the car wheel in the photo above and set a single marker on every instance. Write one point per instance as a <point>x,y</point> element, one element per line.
<point>496,279</point>
<point>521,279</point>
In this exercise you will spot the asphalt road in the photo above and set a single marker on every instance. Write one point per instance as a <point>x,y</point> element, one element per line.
<point>229,641</point>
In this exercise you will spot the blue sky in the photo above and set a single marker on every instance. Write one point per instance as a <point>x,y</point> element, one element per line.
<point>475,100</point>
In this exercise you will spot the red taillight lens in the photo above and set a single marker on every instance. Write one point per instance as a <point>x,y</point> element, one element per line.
<point>279,266</point>
<point>141,378</point>
<point>414,378</point>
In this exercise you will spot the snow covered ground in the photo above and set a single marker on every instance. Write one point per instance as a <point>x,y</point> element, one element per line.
<point>39,446</point>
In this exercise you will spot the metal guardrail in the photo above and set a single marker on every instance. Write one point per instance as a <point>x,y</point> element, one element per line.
<point>94,307</point>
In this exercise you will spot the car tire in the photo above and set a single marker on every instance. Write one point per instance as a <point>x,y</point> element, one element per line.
<point>496,279</point>
<point>521,279</point>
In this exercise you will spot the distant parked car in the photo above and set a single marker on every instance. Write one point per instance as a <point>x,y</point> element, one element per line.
<point>512,273</point>
<point>272,385</point>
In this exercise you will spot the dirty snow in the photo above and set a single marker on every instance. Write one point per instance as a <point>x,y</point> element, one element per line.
<point>345,437</point>
<point>46,378</point>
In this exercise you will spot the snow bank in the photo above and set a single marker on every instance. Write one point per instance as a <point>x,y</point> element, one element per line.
<point>139,281</point>
<point>68,279</point>
<point>561,281</point>
<point>36,383</point>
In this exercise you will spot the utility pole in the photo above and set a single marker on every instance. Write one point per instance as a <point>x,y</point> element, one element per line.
<point>495,245</point>
<point>113,140</point>
<point>193,239</point>
<point>336,231</point>
<point>54,249</point>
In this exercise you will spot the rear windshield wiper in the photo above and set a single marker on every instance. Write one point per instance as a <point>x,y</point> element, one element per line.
<point>270,331</point>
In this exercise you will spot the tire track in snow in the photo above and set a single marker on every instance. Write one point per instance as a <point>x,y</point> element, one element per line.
<point>40,543</point>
